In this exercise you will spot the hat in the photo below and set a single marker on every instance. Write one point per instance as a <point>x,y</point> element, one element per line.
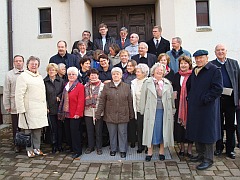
<point>200,53</point>
<point>116,69</point>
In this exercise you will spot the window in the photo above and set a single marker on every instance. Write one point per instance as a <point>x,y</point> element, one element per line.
<point>202,9</point>
<point>45,20</point>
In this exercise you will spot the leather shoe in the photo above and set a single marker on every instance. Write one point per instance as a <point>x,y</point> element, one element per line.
<point>204,165</point>
<point>74,156</point>
<point>122,154</point>
<point>54,149</point>
<point>139,151</point>
<point>161,157</point>
<point>89,150</point>
<point>112,153</point>
<point>132,145</point>
<point>99,151</point>
<point>189,155</point>
<point>231,155</point>
<point>196,158</point>
<point>217,152</point>
<point>148,158</point>
<point>180,153</point>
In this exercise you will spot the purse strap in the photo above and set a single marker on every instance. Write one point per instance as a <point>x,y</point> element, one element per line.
<point>26,120</point>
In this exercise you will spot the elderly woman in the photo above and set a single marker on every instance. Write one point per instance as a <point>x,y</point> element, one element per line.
<point>116,103</point>
<point>163,58</point>
<point>93,90</point>
<point>114,54</point>
<point>124,57</point>
<point>54,87</point>
<point>180,118</point>
<point>31,104</point>
<point>62,71</point>
<point>142,71</point>
<point>71,108</point>
<point>130,74</point>
<point>81,50</point>
<point>157,106</point>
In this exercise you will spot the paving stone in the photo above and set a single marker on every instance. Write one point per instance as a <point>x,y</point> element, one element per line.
<point>93,170</point>
<point>113,177</point>
<point>79,175</point>
<point>55,163</point>
<point>183,166</point>
<point>235,172</point>
<point>28,174</point>
<point>222,168</point>
<point>83,168</point>
<point>161,172</point>
<point>23,165</point>
<point>153,176</point>
<point>231,178</point>
<point>90,176</point>
<point>172,168</point>
<point>102,175</point>
<point>184,171</point>
<point>217,178</point>
<point>206,173</point>
<point>23,169</point>
<point>137,166</point>
<point>42,175</point>
<point>203,177</point>
<point>173,173</point>
<point>38,161</point>
<point>66,176</point>
<point>2,177</point>
<point>223,173</point>
<point>2,171</point>
<point>105,167</point>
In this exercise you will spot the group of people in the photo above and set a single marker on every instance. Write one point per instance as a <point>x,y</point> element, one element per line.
<point>142,92</point>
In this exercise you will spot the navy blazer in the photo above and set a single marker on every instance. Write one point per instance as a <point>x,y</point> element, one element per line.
<point>163,46</point>
<point>151,59</point>
<point>126,43</point>
<point>233,71</point>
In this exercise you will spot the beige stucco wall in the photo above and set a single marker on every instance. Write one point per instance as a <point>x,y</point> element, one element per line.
<point>4,41</point>
<point>223,22</point>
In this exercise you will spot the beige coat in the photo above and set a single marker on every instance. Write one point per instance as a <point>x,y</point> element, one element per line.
<point>9,90</point>
<point>30,99</point>
<point>148,104</point>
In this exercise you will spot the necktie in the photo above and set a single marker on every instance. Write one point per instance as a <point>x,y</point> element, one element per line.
<point>157,43</point>
<point>122,43</point>
<point>21,71</point>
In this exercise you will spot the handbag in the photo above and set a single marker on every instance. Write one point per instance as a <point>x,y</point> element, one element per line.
<point>23,139</point>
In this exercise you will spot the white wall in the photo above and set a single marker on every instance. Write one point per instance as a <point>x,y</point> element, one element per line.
<point>26,29</point>
<point>4,41</point>
<point>224,17</point>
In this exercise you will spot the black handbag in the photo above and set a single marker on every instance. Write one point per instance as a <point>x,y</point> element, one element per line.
<point>23,139</point>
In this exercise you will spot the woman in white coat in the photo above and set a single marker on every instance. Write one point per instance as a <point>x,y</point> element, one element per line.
<point>31,104</point>
<point>157,106</point>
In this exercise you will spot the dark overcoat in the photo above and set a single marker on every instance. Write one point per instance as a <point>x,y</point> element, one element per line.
<point>204,124</point>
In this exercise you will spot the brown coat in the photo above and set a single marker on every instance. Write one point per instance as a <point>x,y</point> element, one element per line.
<point>116,103</point>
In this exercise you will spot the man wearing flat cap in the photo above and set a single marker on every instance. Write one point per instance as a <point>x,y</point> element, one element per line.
<point>203,125</point>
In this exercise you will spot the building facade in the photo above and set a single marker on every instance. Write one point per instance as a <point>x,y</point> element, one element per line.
<point>66,19</point>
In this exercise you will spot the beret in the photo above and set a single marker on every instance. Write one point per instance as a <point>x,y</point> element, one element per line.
<point>200,53</point>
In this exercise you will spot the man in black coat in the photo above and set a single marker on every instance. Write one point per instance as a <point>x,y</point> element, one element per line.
<point>203,122</point>
<point>104,40</point>
<point>229,99</point>
<point>158,44</point>
<point>86,35</point>
<point>64,57</point>
<point>143,56</point>
<point>123,41</point>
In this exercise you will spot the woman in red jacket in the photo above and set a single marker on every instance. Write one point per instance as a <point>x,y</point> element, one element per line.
<point>71,108</point>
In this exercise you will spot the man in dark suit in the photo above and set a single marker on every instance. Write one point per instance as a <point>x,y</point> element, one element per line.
<point>203,121</point>
<point>86,35</point>
<point>158,44</point>
<point>123,41</point>
<point>143,56</point>
<point>229,99</point>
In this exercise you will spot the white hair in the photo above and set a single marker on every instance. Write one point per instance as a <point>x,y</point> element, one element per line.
<point>144,68</point>
<point>155,66</point>
<point>72,69</point>
<point>116,69</point>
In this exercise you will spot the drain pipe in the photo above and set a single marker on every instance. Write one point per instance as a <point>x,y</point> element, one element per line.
<point>10,36</point>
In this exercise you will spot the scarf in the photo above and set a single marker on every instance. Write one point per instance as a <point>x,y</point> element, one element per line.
<point>167,70</point>
<point>159,87</point>
<point>63,110</point>
<point>177,54</point>
<point>183,107</point>
<point>91,94</point>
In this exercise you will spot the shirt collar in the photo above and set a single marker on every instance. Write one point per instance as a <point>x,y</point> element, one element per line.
<point>155,40</point>
<point>221,61</point>
<point>143,56</point>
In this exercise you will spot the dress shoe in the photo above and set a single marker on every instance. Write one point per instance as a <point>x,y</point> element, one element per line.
<point>112,153</point>
<point>60,149</point>
<point>123,154</point>
<point>54,149</point>
<point>74,156</point>
<point>99,151</point>
<point>189,155</point>
<point>148,158</point>
<point>181,153</point>
<point>217,152</point>
<point>204,165</point>
<point>17,149</point>
<point>132,145</point>
<point>231,155</point>
<point>38,152</point>
<point>139,151</point>
<point>89,150</point>
<point>161,157</point>
<point>197,158</point>
<point>30,154</point>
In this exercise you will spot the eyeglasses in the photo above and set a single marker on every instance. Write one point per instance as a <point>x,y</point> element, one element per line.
<point>132,37</point>
<point>71,74</point>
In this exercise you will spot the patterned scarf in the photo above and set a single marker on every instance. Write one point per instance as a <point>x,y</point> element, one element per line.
<point>159,87</point>
<point>91,94</point>
<point>183,107</point>
<point>63,110</point>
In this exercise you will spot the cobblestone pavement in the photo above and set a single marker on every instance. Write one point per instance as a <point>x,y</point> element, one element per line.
<point>61,166</point>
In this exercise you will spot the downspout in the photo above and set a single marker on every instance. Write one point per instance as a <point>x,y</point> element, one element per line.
<point>10,36</point>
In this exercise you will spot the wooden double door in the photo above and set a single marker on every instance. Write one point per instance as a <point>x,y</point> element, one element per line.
<point>137,19</point>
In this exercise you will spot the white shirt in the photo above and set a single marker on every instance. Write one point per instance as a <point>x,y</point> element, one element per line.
<point>155,40</point>
<point>104,40</point>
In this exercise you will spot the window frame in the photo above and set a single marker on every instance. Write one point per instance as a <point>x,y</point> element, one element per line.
<point>45,20</point>
<point>203,14</point>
